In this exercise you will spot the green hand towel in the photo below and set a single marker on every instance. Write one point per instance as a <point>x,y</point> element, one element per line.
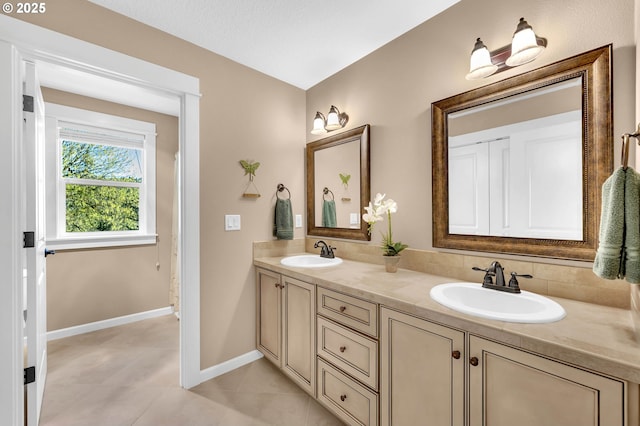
<point>283,220</point>
<point>607,263</point>
<point>329,214</point>
<point>631,254</point>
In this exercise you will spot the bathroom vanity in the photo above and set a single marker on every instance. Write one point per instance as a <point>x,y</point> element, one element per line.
<point>374,348</point>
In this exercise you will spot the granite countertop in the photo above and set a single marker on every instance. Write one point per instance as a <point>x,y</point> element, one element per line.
<point>595,337</point>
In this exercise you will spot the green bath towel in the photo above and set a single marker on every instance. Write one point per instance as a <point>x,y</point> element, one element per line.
<point>608,261</point>
<point>631,253</point>
<point>283,220</point>
<point>329,214</point>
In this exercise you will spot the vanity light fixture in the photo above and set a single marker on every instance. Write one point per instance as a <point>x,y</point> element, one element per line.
<point>333,121</point>
<point>481,65</point>
<point>525,47</point>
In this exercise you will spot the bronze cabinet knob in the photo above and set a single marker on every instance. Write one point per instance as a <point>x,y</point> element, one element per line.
<point>343,308</point>
<point>455,354</point>
<point>343,397</point>
<point>343,348</point>
<point>473,361</point>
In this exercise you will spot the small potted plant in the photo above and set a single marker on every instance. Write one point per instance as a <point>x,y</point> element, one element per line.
<point>375,213</point>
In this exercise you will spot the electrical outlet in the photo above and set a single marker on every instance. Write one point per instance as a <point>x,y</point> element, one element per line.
<point>232,222</point>
<point>354,219</point>
<point>298,221</point>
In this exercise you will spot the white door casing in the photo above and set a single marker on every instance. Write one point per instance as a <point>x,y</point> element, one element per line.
<point>11,265</point>
<point>39,45</point>
<point>34,208</point>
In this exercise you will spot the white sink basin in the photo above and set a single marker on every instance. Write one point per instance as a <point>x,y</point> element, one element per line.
<point>473,299</point>
<point>310,261</point>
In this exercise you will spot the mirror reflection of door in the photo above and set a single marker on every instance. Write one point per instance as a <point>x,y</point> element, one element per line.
<point>515,166</point>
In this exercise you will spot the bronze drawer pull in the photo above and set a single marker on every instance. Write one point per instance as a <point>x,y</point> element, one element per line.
<point>343,308</point>
<point>455,354</point>
<point>343,397</point>
<point>473,361</point>
<point>343,348</point>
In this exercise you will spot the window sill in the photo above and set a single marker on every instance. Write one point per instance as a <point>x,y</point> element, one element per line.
<point>75,243</point>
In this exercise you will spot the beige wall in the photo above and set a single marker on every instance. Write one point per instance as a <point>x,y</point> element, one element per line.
<point>548,104</point>
<point>393,88</point>
<point>92,285</point>
<point>246,115</point>
<point>243,115</point>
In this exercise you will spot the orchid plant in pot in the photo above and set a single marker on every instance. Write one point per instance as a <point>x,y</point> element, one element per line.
<point>375,212</point>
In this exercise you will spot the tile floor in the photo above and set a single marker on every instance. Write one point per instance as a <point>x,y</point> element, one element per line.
<point>128,375</point>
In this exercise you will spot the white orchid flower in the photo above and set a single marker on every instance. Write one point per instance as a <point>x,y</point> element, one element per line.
<point>372,215</point>
<point>390,206</point>
<point>375,212</point>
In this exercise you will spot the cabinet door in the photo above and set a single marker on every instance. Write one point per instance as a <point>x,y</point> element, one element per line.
<point>298,360</point>
<point>422,372</point>
<point>269,314</point>
<point>512,387</point>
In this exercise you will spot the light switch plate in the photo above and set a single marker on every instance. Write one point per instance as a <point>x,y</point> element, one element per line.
<point>298,221</point>
<point>232,222</point>
<point>354,219</point>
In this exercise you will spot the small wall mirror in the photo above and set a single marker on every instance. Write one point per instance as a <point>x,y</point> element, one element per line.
<point>518,165</point>
<point>338,185</point>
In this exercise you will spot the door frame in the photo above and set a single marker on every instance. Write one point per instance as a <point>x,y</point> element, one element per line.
<point>21,40</point>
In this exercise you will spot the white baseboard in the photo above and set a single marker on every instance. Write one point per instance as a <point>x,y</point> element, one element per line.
<point>229,365</point>
<point>113,322</point>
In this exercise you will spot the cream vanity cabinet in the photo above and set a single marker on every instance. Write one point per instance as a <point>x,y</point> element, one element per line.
<point>423,381</point>
<point>421,371</point>
<point>286,325</point>
<point>508,386</point>
<point>347,345</point>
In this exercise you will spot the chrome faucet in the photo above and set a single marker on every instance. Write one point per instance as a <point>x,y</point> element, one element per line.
<point>496,270</point>
<point>326,250</point>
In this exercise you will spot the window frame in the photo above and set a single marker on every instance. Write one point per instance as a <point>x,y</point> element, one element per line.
<point>56,235</point>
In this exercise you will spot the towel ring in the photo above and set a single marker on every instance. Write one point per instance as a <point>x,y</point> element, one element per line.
<point>281,188</point>
<point>625,151</point>
<point>326,191</point>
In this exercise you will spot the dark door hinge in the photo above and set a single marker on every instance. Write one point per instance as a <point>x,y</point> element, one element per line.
<point>29,239</point>
<point>29,375</point>
<point>27,103</point>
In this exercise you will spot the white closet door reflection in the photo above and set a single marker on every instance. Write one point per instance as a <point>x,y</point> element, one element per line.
<point>521,180</point>
<point>469,189</point>
<point>548,178</point>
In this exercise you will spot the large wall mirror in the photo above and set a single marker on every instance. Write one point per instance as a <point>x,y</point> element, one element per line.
<point>338,185</point>
<point>518,165</point>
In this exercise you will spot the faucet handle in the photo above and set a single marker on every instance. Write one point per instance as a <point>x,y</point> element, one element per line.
<point>513,282</point>
<point>487,276</point>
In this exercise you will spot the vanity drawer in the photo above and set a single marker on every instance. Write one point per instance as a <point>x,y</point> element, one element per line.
<point>350,311</point>
<point>348,399</point>
<point>355,354</point>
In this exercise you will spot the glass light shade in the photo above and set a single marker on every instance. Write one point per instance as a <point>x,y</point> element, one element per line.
<point>480,63</point>
<point>333,119</point>
<point>318,124</point>
<point>524,46</point>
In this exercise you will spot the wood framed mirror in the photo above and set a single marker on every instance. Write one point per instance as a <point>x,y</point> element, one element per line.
<point>338,185</point>
<point>565,121</point>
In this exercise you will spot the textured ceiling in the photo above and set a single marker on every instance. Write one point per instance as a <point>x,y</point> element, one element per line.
<point>301,42</point>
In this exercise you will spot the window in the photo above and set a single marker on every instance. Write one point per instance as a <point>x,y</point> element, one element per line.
<point>100,182</point>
